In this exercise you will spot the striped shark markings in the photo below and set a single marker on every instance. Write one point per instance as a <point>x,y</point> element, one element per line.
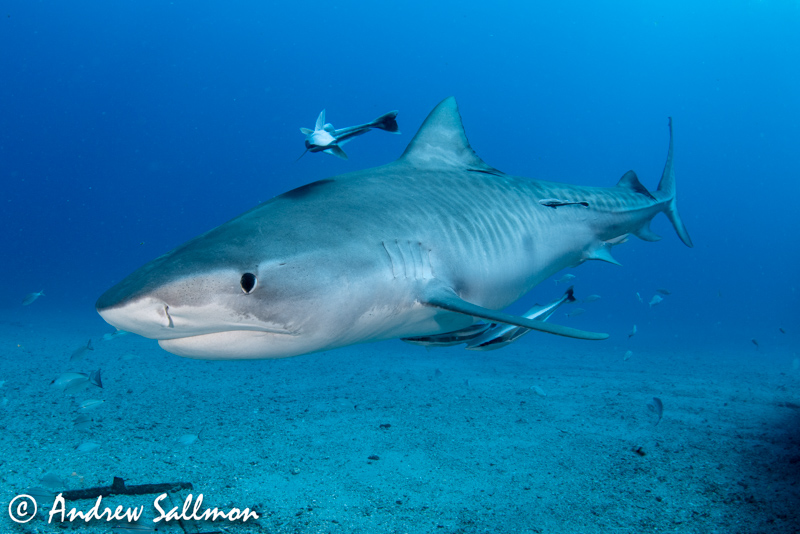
<point>425,246</point>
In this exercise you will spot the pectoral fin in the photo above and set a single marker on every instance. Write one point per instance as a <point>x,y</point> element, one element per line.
<point>336,151</point>
<point>445,298</point>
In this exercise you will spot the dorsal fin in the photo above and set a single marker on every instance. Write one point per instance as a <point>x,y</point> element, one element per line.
<point>441,142</point>
<point>320,121</point>
<point>630,181</point>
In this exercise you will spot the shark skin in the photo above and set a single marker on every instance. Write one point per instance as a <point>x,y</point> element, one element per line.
<point>428,244</point>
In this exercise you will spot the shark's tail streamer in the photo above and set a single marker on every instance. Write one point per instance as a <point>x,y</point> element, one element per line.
<point>667,189</point>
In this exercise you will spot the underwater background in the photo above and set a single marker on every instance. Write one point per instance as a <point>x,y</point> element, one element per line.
<point>127,128</point>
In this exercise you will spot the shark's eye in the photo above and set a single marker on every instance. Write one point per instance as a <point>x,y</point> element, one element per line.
<point>248,283</point>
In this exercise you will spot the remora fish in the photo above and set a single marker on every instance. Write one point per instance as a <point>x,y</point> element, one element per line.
<point>492,336</point>
<point>325,138</point>
<point>422,246</point>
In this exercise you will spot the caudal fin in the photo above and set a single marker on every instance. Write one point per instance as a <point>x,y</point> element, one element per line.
<point>666,188</point>
<point>386,122</point>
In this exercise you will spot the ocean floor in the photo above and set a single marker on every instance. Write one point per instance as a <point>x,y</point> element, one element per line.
<point>546,436</point>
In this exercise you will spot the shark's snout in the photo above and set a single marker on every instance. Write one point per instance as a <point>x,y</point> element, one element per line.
<point>148,317</point>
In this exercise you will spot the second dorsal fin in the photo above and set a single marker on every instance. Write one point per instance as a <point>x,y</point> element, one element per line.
<point>630,181</point>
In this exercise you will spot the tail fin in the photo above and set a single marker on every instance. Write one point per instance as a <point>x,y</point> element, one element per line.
<point>386,122</point>
<point>667,189</point>
<point>570,294</point>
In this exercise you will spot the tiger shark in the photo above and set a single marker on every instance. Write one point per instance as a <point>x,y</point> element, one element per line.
<point>429,244</point>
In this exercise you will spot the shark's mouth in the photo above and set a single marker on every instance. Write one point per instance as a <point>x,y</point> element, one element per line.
<point>238,344</point>
<point>154,319</point>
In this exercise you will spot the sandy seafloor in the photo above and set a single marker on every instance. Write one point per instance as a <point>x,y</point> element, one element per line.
<point>471,446</point>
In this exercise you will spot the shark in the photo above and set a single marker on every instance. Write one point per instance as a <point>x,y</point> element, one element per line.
<point>432,243</point>
<point>325,138</point>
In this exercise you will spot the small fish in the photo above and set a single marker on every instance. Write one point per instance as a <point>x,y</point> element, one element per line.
<point>632,332</point>
<point>52,481</point>
<point>76,385</point>
<point>114,335</point>
<point>188,439</point>
<point>566,278</point>
<point>627,356</point>
<point>539,391</point>
<point>574,313</point>
<point>42,496</point>
<point>638,296</point>
<point>325,138</point>
<point>754,341</point>
<point>657,407</point>
<point>94,379</point>
<point>664,291</point>
<point>81,352</point>
<point>62,381</point>
<point>82,422</point>
<point>556,203</point>
<point>656,300</point>
<point>71,383</point>
<point>31,297</point>
<point>89,405</point>
<point>87,446</point>
<point>591,298</point>
<point>782,330</point>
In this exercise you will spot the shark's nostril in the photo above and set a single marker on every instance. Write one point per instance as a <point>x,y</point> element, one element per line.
<point>169,317</point>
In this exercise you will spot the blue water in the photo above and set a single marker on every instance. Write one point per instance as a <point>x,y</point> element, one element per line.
<point>127,128</point>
